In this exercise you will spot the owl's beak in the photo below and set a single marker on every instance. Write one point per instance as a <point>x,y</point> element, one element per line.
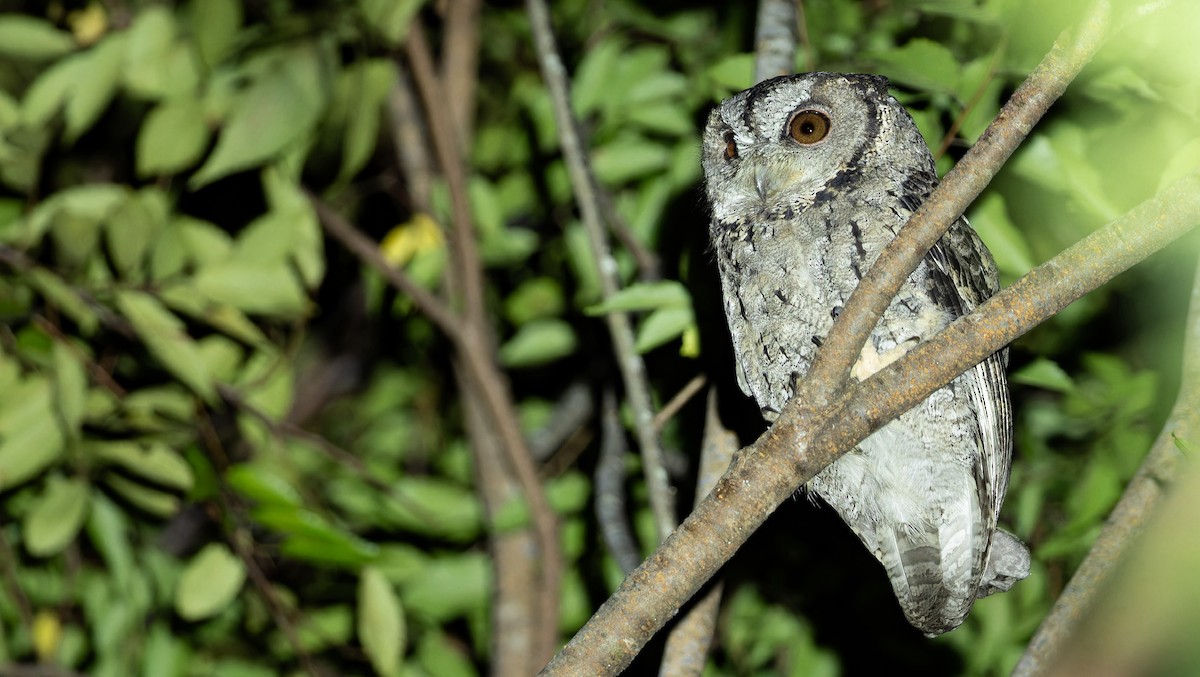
<point>763,182</point>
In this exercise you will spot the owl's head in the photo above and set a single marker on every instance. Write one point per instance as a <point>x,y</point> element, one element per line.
<point>780,144</point>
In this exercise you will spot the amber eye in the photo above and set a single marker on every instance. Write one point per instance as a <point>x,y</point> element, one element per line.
<point>730,146</point>
<point>808,126</point>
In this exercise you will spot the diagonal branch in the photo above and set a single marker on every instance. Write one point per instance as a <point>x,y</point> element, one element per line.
<point>949,200</point>
<point>805,439</point>
<point>367,251</point>
<point>633,369</point>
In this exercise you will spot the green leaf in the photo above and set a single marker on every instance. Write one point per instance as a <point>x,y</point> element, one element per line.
<point>215,25</point>
<point>94,85</point>
<point>153,501</point>
<point>590,84</point>
<point>32,437</point>
<point>154,461</point>
<point>644,296</point>
<point>262,485</point>
<point>733,73</point>
<point>164,335</point>
<point>172,138</point>
<point>164,654</point>
<point>438,655</point>
<point>449,587</point>
<point>380,622</point>
<point>629,158</point>
<point>50,90</point>
<point>568,493</point>
<point>390,18</point>
<point>276,111</point>
<point>65,298</point>
<point>503,248</point>
<point>538,342</point>
<point>159,65</point>
<point>367,85</point>
<point>535,299</point>
<point>310,537</point>
<point>27,37</point>
<point>1044,373</point>
<point>56,517</point>
<point>663,325</point>
<point>70,388</point>
<point>132,227</point>
<point>923,64</point>
<point>434,507</point>
<point>209,583</point>
<point>107,527</point>
<point>271,290</point>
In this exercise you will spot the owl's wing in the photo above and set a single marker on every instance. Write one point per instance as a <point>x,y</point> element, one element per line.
<point>971,274</point>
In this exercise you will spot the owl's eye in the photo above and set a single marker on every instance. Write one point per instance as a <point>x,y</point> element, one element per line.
<point>808,126</point>
<point>730,146</point>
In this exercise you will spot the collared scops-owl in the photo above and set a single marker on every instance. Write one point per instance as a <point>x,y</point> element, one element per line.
<point>808,177</point>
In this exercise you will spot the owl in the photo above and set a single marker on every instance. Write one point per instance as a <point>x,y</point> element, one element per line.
<point>808,177</point>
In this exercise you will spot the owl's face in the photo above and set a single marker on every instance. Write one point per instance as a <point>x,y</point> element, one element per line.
<point>776,146</point>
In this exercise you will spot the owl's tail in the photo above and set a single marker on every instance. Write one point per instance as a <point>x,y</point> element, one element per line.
<point>935,568</point>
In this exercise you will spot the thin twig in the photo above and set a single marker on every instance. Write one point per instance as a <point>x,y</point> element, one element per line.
<point>976,97</point>
<point>677,402</point>
<point>1073,49</point>
<point>633,369</point>
<point>610,487</point>
<point>689,641</point>
<point>774,39</point>
<point>408,141</point>
<point>1128,519</point>
<point>99,374</point>
<point>805,439</point>
<point>649,267</point>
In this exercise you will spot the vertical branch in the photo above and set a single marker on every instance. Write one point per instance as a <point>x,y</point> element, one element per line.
<point>499,444</point>
<point>460,63</point>
<point>774,39</point>
<point>610,486</point>
<point>633,370</point>
<point>1129,517</point>
<point>690,639</point>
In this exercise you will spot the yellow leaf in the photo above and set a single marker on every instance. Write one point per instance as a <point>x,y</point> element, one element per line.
<point>89,24</point>
<point>420,234</point>
<point>47,632</point>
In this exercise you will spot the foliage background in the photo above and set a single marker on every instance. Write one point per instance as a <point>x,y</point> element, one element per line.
<point>228,448</point>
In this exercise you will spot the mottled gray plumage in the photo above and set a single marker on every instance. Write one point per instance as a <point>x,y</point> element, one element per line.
<point>808,177</point>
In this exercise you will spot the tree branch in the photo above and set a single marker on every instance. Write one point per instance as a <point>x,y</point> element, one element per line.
<point>1073,49</point>
<point>774,39</point>
<point>690,639</point>
<point>633,369</point>
<point>460,61</point>
<point>1129,517</point>
<point>447,148</point>
<point>805,439</point>
<point>610,487</point>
